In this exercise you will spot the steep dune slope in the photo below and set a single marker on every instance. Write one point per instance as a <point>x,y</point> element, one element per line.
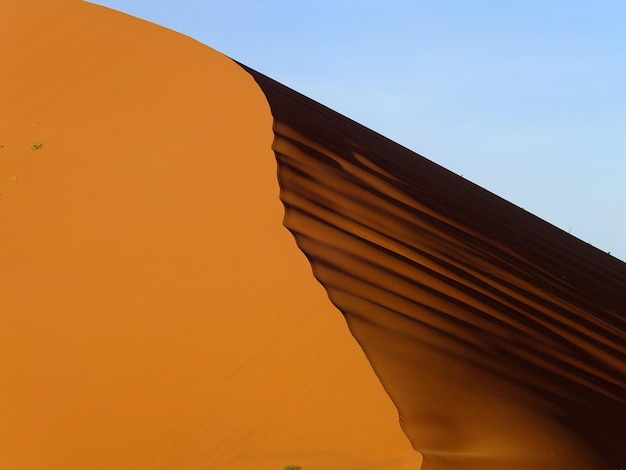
<point>154,312</point>
<point>501,339</point>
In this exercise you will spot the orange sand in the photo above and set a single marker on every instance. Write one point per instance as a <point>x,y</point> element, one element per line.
<point>155,313</point>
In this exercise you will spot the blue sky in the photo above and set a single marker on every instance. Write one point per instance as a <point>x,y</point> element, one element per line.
<point>526,98</point>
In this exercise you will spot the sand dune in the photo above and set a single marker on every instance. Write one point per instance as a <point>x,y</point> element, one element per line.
<point>500,338</point>
<point>156,314</point>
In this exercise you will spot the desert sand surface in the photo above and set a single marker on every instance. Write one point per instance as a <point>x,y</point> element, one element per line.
<point>157,313</point>
<point>154,312</point>
<point>500,338</point>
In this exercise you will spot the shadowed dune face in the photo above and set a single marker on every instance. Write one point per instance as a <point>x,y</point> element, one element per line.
<point>500,338</point>
<point>154,312</point>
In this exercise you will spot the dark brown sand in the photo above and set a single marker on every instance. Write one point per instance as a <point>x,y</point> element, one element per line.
<point>500,338</point>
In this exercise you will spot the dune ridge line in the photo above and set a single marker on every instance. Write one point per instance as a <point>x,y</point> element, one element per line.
<point>500,338</point>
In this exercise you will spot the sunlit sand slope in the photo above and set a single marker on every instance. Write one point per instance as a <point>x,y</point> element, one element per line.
<point>154,312</point>
<point>500,339</point>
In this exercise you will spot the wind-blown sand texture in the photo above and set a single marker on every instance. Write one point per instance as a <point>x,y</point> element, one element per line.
<point>156,314</point>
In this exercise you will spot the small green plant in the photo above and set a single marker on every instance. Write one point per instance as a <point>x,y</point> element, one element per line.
<point>35,146</point>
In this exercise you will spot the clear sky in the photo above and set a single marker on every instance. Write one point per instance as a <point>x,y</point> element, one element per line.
<point>526,98</point>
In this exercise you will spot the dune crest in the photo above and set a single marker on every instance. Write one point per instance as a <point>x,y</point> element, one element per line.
<point>500,338</point>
